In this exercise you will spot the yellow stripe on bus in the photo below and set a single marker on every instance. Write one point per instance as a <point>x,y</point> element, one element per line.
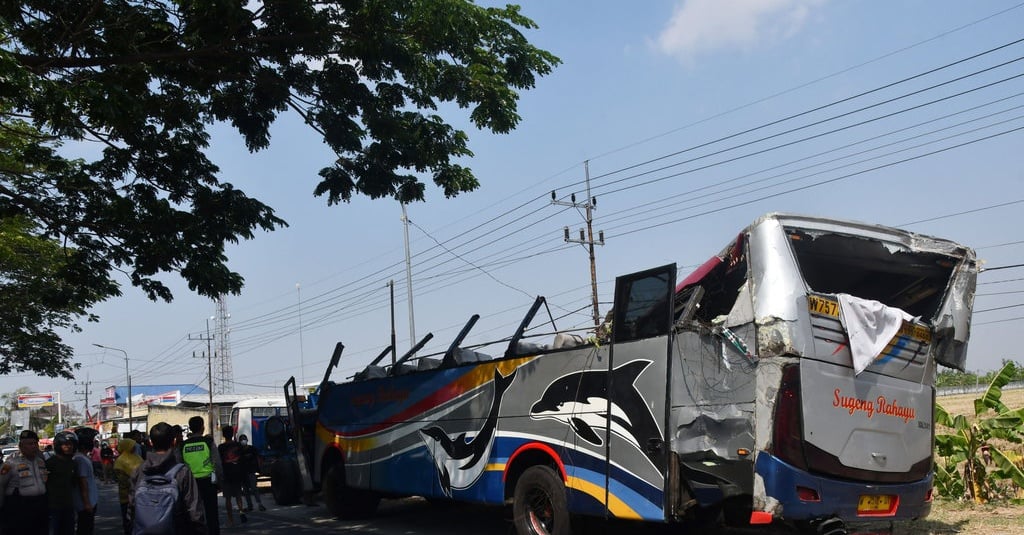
<point>615,505</point>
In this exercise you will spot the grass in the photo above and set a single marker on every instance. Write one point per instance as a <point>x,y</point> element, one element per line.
<point>964,403</point>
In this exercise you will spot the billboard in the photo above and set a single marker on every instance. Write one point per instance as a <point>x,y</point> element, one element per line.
<point>19,419</point>
<point>34,401</point>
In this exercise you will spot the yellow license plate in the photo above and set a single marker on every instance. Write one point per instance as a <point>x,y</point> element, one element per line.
<point>874,503</point>
<point>824,306</point>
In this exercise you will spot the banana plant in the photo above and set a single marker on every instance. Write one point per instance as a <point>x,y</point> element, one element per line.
<point>972,465</point>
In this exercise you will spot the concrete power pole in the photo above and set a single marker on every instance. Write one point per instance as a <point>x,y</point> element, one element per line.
<point>85,392</point>
<point>586,238</point>
<point>208,355</point>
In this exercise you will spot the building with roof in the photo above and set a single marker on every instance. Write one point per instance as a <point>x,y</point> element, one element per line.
<point>171,403</point>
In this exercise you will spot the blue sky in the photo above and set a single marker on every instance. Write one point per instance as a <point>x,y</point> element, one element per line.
<point>639,82</point>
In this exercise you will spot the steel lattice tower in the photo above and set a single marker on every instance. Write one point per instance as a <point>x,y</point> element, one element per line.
<point>225,382</point>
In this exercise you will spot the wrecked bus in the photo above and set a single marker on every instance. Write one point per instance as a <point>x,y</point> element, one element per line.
<point>788,379</point>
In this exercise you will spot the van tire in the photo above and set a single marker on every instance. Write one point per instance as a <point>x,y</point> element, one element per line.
<point>285,482</point>
<point>539,503</point>
<point>343,501</point>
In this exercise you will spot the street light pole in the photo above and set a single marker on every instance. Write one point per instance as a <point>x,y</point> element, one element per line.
<point>128,377</point>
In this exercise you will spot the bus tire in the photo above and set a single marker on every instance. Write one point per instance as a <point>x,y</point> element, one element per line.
<point>343,501</point>
<point>539,504</point>
<point>285,482</point>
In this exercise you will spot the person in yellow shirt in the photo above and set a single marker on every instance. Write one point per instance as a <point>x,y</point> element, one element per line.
<point>124,467</point>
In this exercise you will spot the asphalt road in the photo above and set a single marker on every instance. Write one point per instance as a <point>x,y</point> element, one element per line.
<point>404,517</point>
<point>394,517</point>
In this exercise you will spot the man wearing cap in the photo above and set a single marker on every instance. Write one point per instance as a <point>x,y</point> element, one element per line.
<point>23,480</point>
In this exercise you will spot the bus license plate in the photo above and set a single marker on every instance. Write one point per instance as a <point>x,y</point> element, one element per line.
<point>874,503</point>
<point>823,306</point>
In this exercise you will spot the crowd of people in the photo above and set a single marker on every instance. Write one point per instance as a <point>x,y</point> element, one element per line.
<point>58,492</point>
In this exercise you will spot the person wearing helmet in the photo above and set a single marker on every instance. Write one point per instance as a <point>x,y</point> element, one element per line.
<point>62,480</point>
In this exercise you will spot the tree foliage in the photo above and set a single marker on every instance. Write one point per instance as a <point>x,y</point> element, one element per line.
<point>137,83</point>
<point>973,464</point>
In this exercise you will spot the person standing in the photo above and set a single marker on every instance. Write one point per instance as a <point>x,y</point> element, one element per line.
<point>23,480</point>
<point>230,457</point>
<point>88,493</point>
<point>124,468</point>
<point>97,459</point>
<point>189,515</point>
<point>200,454</point>
<point>61,483</point>
<point>107,462</point>
<point>250,465</point>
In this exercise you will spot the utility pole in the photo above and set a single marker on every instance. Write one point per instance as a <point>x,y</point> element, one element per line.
<point>391,286</point>
<point>209,366</point>
<point>302,353</point>
<point>85,392</point>
<point>408,279</point>
<point>128,377</point>
<point>588,238</point>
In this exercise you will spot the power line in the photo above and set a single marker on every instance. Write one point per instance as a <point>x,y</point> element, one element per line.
<point>824,106</point>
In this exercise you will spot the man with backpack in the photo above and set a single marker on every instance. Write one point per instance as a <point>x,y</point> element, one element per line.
<point>164,498</point>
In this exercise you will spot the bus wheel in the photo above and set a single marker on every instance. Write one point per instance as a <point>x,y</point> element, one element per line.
<point>285,482</point>
<point>345,502</point>
<point>539,506</point>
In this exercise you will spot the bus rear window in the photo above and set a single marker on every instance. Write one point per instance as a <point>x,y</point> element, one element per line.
<point>914,281</point>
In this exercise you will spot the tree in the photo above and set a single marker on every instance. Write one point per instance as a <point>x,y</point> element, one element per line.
<point>143,79</point>
<point>972,445</point>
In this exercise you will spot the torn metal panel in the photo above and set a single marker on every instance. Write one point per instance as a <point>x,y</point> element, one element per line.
<point>722,430</point>
<point>712,395</point>
<point>954,320</point>
<point>742,312</point>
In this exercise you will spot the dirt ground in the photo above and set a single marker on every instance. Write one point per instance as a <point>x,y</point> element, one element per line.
<point>955,517</point>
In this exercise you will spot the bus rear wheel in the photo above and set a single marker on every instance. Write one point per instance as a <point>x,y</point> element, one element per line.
<point>345,502</point>
<point>285,482</point>
<point>539,505</point>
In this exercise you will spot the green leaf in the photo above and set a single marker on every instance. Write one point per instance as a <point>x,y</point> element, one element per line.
<point>992,398</point>
<point>1007,469</point>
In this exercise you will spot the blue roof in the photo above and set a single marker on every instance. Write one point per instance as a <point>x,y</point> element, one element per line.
<point>121,392</point>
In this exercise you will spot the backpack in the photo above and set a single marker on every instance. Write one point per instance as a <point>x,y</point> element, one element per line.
<point>156,502</point>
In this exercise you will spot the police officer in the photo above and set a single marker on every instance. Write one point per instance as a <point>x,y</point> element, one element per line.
<point>23,480</point>
<point>200,454</point>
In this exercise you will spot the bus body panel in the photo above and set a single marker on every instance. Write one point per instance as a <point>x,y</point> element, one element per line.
<point>393,431</point>
<point>871,421</point>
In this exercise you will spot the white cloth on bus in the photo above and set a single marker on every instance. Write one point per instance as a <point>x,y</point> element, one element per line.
<point>870,325</point>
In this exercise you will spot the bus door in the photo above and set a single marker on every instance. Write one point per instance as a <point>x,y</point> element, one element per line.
<point>636,440</point>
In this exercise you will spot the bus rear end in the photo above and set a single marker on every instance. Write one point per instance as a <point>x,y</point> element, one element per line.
<point>859,317</point>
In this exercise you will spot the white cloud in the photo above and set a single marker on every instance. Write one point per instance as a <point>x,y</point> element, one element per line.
<point>701,26</point>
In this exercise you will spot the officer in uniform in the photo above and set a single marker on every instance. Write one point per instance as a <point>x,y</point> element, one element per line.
<point>23,480</point>
<point>201,455</point>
